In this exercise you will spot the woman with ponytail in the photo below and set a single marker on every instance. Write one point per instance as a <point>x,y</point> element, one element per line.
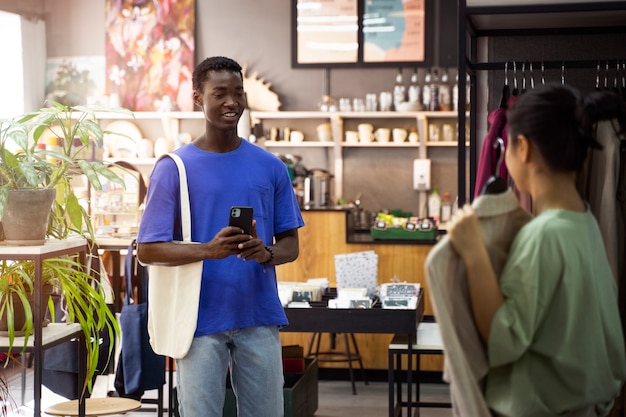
<point>550,321</point>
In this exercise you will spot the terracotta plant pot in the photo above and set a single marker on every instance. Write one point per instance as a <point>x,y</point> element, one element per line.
<point>25,221</point>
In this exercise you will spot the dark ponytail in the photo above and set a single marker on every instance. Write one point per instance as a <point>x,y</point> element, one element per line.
<point>560,122</point>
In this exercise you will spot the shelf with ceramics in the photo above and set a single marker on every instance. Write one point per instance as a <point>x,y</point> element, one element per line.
<point>150,134</point>
<point>321,135</point>
<point>301,144</point>
<point>343,122</point>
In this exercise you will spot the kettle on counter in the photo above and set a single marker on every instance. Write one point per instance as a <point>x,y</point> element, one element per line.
<point>317,185</point>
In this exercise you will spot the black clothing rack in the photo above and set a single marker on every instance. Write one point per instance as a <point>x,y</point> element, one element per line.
<point>552,22</point>
<point>478,21</point>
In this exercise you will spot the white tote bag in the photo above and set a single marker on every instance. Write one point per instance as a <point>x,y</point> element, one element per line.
<point>174,291</point>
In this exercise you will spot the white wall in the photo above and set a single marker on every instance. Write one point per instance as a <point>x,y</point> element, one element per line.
<point>11,76</point>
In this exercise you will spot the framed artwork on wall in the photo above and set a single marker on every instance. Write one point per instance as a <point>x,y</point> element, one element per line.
<point>393,31</point>
<point>150,54</point>
<point>326,32</point>
<point>75,80</point>
<point>348,33</point>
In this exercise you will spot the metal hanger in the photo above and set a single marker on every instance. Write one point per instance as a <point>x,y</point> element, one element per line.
<point>515,90</point>
<point>506,90</point>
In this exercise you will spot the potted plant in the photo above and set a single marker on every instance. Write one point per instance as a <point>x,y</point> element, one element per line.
<point>28,166</point>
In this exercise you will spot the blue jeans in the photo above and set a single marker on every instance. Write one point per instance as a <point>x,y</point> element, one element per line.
<point>255,358</point>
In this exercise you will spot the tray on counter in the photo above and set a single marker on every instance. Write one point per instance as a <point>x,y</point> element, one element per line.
<point>400,233</point>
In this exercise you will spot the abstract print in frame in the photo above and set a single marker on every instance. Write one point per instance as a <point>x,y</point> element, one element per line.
<point>150,54</point>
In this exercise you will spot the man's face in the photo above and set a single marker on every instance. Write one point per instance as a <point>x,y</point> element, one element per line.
<point>222,99</point>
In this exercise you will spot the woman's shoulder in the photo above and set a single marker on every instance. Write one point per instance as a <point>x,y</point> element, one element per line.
<point>554,228</point>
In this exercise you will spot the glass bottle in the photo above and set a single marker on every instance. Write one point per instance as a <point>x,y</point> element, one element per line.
<point>434,205</point>
<point>426,89</point>
<point>399,91</point>
<point>415,98</point>
<point>434,92</point>
<point>446,207</point>
<point>445,99</point>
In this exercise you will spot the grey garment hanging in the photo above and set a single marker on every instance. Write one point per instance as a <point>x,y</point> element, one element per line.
<point>466,365</point>
<point>599,185</point>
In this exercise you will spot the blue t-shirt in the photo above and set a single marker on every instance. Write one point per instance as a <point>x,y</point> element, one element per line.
<point>234,294</point>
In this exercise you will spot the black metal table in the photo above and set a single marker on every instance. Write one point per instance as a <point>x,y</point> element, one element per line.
<point>374,320</point>
<point>53,334</point>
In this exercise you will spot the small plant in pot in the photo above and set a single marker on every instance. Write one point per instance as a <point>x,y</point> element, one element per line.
<point>28,167</point>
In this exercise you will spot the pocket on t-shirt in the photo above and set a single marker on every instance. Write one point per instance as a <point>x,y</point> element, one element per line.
<point>261,199</point>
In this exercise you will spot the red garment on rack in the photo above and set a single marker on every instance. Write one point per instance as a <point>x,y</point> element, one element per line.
<point>488,159</point>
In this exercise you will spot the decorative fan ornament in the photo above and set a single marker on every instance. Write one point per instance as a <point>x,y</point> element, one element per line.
<point>258,93</point>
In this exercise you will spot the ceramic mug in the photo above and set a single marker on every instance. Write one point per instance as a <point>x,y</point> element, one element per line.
<point>447,133</point>
<point>383,134</point>
<point>433,133</point>
<point>145,148</point>
<point>399,135</point>
<point>345,104</point>
<point>296,136</point>
<point>358,104</point>
<point>161,147</point>
<point>371,102</point>
<point>366,132</point>
<point>413,137</point>
<point>352,136</point>
<point>324,132</point>
<point>273,134</point>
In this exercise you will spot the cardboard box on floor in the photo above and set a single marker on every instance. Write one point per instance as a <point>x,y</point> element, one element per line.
<point>300,391</point>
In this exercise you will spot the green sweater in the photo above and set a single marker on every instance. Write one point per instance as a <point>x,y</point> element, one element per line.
<point>556,344</point>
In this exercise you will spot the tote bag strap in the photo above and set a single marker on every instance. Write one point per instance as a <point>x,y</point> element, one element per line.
<point>185,209</point>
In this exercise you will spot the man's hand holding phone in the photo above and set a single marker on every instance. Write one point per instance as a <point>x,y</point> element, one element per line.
<point>254,248</point>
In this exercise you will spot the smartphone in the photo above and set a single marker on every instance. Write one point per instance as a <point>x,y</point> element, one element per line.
<point>241,217</point>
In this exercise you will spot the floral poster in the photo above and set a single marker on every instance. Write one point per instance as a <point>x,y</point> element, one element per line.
<point>149,54</point>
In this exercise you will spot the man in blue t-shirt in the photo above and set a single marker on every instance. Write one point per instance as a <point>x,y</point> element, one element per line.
<point>240,311</point>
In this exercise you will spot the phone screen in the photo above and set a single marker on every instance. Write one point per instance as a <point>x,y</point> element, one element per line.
<point>241,217</point>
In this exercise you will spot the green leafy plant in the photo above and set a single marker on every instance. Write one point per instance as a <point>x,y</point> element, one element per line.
<point>26,163</point>
<point>83,294</point>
